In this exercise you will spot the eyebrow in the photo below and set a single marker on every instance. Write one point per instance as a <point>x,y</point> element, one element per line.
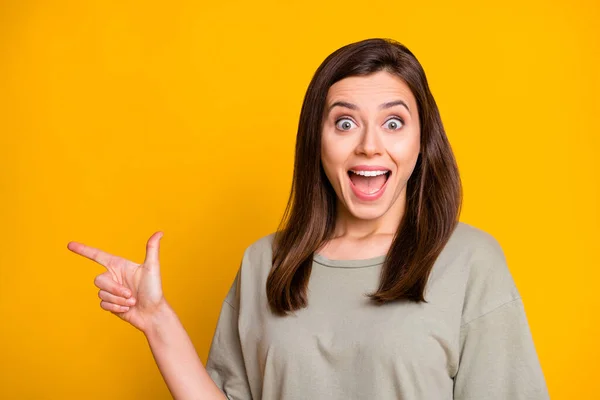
<point>383,106</point>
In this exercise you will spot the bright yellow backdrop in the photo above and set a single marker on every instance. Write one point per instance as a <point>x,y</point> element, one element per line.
<point>120,118</point>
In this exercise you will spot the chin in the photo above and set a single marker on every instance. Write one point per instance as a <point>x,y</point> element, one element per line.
<point>367,213</point>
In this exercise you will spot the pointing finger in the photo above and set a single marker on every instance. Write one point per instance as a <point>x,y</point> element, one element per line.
<point>92,253</point>
<point>101,257</point>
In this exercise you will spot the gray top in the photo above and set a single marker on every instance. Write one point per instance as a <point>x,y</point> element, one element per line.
<point>470,341</point>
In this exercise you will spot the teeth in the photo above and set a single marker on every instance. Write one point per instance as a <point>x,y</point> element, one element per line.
<point>369,173</point>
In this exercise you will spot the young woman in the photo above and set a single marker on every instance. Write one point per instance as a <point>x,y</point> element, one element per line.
<point>371,288</point>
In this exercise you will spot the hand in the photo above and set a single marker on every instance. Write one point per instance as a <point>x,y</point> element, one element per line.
<point>129,290</point>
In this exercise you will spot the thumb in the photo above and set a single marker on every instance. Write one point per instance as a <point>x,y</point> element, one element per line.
<point>152,248</point>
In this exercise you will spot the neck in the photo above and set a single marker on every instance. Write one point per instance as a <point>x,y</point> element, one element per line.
<point>349,225</point>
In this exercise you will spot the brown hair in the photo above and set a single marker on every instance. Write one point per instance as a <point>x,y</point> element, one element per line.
<point>433,192</point>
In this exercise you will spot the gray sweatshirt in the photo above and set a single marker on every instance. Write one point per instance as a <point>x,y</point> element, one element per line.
<point>471,341</point>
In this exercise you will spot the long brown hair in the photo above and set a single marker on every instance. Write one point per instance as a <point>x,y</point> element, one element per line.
<point>433,192</point>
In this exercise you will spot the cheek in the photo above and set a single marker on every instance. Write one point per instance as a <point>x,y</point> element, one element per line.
<point>405,151</point>
<point>333,154</point>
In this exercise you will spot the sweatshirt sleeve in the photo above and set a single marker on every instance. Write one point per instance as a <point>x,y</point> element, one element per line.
<point>498,360</point>
<point>225,363</point>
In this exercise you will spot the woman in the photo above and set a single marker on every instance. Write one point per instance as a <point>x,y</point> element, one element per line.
<point>371,288</point>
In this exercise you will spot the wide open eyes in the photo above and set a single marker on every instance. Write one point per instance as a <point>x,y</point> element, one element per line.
<point>345,124</point>
<point>394,123</point>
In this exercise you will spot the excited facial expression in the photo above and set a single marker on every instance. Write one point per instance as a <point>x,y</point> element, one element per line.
<point>370,143</point>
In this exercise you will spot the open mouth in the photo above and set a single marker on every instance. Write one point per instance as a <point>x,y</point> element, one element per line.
<point>368,183</point>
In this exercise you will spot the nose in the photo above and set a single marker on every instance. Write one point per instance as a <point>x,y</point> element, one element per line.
<point>370,143</point>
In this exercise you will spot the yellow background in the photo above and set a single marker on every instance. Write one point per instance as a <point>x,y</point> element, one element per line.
<point>121,118</point>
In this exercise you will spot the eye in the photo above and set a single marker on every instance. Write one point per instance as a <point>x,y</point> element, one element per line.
<point>344,124</point>
<point>394,123</point>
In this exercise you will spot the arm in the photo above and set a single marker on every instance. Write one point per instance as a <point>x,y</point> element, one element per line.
<point>177,359</point>
<point>133,292</point>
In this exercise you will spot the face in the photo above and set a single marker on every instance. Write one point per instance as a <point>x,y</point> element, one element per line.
<point>370,143</point>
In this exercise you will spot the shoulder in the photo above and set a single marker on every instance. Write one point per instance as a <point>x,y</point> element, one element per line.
<point>257,260</point>
<point>488,281</point>
<point>260,249</point>
<point>252,272</point>
<point>471,248</point>
<point>478,247</point>
<point>469,236</point>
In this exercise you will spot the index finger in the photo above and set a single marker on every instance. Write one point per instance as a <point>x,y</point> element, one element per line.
<point>101,257</point>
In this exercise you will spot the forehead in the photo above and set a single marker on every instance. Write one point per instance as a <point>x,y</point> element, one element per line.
<point>378,87</point>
